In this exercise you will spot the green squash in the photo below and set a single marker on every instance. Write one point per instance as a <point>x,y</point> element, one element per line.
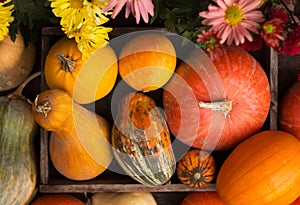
<point>18,170</point>
<point>141,141</point>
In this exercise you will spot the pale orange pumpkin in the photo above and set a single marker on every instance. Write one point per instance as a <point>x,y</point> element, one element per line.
<point>124,198</point>
<point>80,140</point>
<point>147,61</point>
<point>16,61</point>
<point>86,80</point>
<point>202,198</point>
<point>262,170</point>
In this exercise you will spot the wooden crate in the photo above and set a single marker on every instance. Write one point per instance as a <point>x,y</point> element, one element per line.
<point>52,182</point>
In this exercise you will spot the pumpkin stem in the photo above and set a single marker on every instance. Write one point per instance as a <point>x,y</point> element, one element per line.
<point>18,92</point>
<point>43,107</point>
<point>219,106</point>
<point>197,176</point>
<point>67,63</point>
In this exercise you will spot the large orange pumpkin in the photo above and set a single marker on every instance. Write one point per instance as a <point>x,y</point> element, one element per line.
<point>147,61</point>
<point>289,111</point>
<point>262,170</point>
<point>202,198</point>
<point>215,105</point>
<point>86,80</point>
<point>57,199</point>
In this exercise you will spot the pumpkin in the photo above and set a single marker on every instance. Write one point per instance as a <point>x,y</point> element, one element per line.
<point>214,105</point>
<point>86,80</point>
<point>16,61</point>
<point>202,198</point>
<point>297,202</point>
<point>79,138</point>
<point>124,198</point>
<point>57,199</point>
<point>141,140</point>
<point>264,169</point>
<point>196,168</point>
<point>147,61</point>
<point>18,169</point>
<point>289,110</point>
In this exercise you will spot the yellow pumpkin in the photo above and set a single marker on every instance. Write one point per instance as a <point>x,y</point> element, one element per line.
<point>16,61</point>
<point>80,140</point>
<point>86,80</point>
<point>147,61</point>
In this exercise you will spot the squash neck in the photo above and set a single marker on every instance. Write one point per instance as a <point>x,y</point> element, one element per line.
<point>67,64</point>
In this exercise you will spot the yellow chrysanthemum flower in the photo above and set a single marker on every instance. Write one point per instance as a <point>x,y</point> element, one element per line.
<point>89,37</point>
<point>72,12</point>
<point>5,18</point>
<point>97,11</point>
<point>81,19</point>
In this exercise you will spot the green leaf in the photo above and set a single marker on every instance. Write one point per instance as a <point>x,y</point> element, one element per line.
<point>30,16</point>
<point>170,24</point>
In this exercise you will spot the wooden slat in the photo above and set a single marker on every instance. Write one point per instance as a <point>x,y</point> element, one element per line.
<point>91,188</point>
<point>274,89</point>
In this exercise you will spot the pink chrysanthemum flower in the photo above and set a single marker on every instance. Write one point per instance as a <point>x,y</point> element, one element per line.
<point>272,33</point>
<point>233,19</point>
<point>292,42</point>
<point>137,7</point>
<point>210,43</point>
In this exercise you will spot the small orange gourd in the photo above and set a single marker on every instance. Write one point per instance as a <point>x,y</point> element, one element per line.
<point>196,168</point>
<point>57,199</point>
<point>202,198</point>
<point>86,80</point>
<point>147,61</point>
<point>262,170</point>
<point>79,142</point>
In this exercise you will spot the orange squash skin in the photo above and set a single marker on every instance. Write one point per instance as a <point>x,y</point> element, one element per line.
<point>289,120</point>
<point>262,170</point>
<point>202,198</point>
<point>68,154</point>
<point>196,168</point>
<point>245,85</point>
<point>57,199</point>
<point>85,85</point>
<point>147,62</point>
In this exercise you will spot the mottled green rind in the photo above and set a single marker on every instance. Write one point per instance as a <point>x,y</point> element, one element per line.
<point>18,169</point>
<point>146,164</point>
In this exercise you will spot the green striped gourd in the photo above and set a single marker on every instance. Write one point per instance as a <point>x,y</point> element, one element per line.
<point>141,141</point>
<point>18,171</point>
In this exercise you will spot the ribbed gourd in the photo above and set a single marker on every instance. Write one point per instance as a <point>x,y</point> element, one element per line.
<point>141,141</point>
<point>18,169</point>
